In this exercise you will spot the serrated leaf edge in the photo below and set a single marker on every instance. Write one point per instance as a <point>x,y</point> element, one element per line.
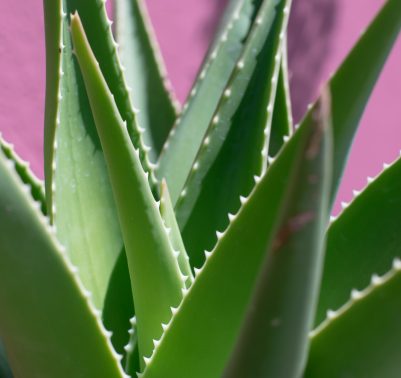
<point>356,295</point>
<point>62,253</point>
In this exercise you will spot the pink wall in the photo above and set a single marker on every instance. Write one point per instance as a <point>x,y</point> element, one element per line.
<point>321,33</point>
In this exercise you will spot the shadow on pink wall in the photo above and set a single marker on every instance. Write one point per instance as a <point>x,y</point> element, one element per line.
<point>321,33</point>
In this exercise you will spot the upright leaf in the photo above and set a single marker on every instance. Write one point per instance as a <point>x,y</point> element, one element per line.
<point>282,114</point>
<point>363,240</point>
<point>186,137</point>
<point>226,281</point>
<point>155,275</point>
<point>118,306</point>
<point>231,154</point>
<point>145,73</point>
<point>47,321</point>
<point>83,208</point>
<point>274,338</point>
<point>167,212</point>
<point>353,83</point>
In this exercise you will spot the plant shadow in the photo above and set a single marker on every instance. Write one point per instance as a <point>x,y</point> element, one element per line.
<point>311,33</point>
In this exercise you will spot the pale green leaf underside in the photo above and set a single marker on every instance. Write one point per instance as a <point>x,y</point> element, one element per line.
<point>217,300</point>
<point>145,73</point>
<point>363,240</point>
<point>167,212</point>
<point>48,325</point>
<point>98,29</point>
<point>231,154</point>
<point>282,113</point>
<point>83,206</point>
<point>179,152</point>
<point>353,83</point>
<point>363,338</point>
<point>155,275</point>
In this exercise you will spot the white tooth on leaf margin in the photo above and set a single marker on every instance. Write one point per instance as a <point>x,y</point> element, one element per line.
<point>219,234</point>
<point>331,314</point>
<point>356,294</point>
<point>397,264</point>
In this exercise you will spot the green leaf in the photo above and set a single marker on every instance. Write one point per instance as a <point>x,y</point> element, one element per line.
<point>274,337</point>
<point>155,275</point>
<point>53,35</point>
<point>145,73</point>
<point>186,137</point>
<point>118,305</point>
<point>132,365</point>
<point>362,339</point>
<point>234,150</point>
<point>282,114</point>
<point>354,81</point>
<point>167,212</point>
<point>47,321</point>
<point>83,208</point>
<point>25,174</point>
<point>363,240</point>
<point>98,29</point>
<point>226,281</point>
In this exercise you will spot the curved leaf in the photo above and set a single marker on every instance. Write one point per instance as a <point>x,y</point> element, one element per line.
<point>282,114</point>
<point>155,275</point>
<point>186,137</point>
<point>47,321</point>
<point>118,305</point>
<point>274,338</point>
<point>231,154</point>
<point>145,73</point>
<point>167,212</point>
<point>218,298</point>
<point>363,240</point>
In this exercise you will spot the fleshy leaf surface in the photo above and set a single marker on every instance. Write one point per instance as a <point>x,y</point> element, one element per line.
<point>365,333</point>
<point>234,149</point>
<point>282,113</point>
<point>167,212</point>
<point>47,321</point>
<point>274,337</point>
<point>145,73</point>
<point>155,275</point>
<point>118,306</point>
<point>186,137</point>
<point>226,281</point>
<point>363,240</point>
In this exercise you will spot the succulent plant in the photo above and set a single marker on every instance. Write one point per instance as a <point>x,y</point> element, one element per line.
<point>197,242</point>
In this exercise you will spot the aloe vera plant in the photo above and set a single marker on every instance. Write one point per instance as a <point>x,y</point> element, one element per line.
<point>197,242</point>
